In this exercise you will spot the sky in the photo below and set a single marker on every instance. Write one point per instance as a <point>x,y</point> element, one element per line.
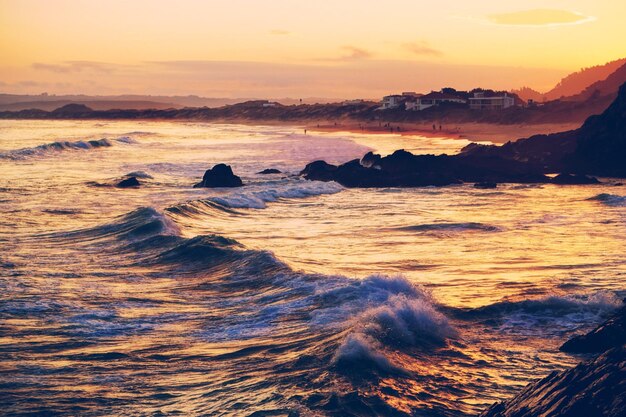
<point>298,48</point>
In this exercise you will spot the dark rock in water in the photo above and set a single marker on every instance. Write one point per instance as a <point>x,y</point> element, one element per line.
<point>270,171</point>
<point>593,388</point>
<point>221,175</point>
<point>371,160</point>
<point>486,185</point>
<point>403,169</point>
<point>128,182</point>
<point>569,179</point>
<point>610,334</point>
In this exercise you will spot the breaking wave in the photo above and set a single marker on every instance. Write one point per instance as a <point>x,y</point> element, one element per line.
<point>610,199</point>
<point>449,227</point>
<point>61,146</point>
<point>257,196</point>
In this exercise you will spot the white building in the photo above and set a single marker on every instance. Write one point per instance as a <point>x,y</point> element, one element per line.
<point>485,101</point>
<point>434,98</point>
<point>392,102</point>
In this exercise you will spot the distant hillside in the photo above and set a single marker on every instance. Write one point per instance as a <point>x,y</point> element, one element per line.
<point>527,93</point>
<point>607,87</point>
<point>574,83</point>
<point>94,104</point>
<point>17,102</point>
<point>578,81</point>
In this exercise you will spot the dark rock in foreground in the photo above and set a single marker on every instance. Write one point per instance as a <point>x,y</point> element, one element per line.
<point>610,334</point>
<point>596,388</point>
<point>128,182</point>
<point>270,171</point>
<point>403,169</point>
<point>221,175</point>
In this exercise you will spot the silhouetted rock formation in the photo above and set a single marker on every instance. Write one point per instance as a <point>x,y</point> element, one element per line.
<point>610,334</point>
<point>598,147</point>
<point>128,182</point>
<point>220,175</point>
<point>403,169</point>
<point>270,171</point>
<point>594,388</point>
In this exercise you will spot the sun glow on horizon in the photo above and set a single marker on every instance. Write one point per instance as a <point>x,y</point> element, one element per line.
<point>295,48</point>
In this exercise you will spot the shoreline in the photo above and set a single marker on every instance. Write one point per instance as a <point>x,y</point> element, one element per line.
<point>469,131</point>
<point>474,132</point>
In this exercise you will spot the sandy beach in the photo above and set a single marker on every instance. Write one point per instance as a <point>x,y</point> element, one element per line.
<point>496,133</point>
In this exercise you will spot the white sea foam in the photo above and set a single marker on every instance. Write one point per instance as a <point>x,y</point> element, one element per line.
<point>257,196</point>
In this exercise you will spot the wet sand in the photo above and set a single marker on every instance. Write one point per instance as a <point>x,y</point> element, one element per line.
<point>495,133</point>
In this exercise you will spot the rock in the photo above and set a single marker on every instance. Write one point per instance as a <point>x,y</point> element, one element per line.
<point>598,147</point>
<point>128,182</point>
<point>569,179</point>
<point>610,334</point>
<point>595,388</point>
<point>221,175</point>
<point>370,160</point>
<point>403,169</point>
<point>486,185</point>
<point>270,171</point>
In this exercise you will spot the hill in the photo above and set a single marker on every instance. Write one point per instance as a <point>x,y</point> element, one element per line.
<point>574,83</point>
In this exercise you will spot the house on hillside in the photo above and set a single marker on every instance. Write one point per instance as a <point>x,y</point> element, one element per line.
<point>434,98</point>
<point>491,101</point>
<point>393,101</point>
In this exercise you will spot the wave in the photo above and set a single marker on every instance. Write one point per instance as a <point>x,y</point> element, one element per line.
<point>554,305</point>
<point>371,315</point>
<point>61,146</point>
<point>258,195</point>
<point>610,199</point>
<point>449,227</point>
<point>555,313</point>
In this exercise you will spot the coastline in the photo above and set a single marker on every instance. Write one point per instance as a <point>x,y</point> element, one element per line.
<point>475,132</point>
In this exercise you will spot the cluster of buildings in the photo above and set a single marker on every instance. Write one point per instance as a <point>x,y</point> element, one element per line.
<point>476,100</point>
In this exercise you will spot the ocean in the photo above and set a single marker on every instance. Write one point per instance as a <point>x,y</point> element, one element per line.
<point>284,297</point>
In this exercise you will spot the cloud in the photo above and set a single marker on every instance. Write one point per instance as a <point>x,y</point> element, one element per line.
<point>421,48</point>
<point>75,66</point>
<point>354,53</point>
<point>540,17</point>
<point>279,32</point>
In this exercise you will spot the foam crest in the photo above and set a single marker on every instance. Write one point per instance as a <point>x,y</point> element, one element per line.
<point>257,196</point>
<point>61,146</point>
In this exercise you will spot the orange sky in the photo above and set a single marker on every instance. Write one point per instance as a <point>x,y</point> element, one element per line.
<point>297,48</point>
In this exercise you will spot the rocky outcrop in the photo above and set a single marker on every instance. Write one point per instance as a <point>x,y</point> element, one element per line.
<point>610,334</point>
<point>270,171</point>
<point>128,182</point>
<point>221,175</point>
<point>403,169</point>
<point>595,388</point>
<point>598,147</point>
